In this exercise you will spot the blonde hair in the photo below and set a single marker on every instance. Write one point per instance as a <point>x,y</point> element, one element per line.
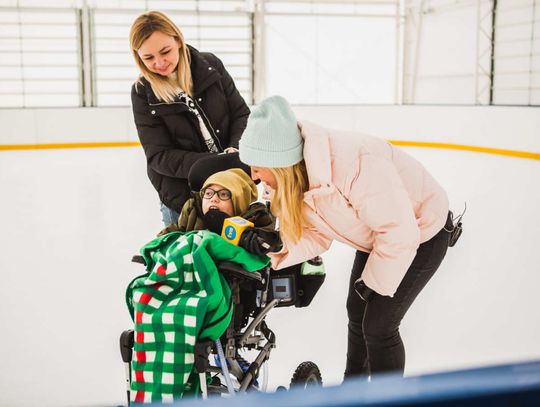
<point>165,88</point>
<point>288,200</point>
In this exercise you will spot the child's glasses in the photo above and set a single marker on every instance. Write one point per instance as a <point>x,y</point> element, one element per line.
<point>223,194</point>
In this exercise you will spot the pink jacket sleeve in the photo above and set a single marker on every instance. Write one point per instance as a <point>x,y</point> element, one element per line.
<point>310,245</point>
<point>383,204</point>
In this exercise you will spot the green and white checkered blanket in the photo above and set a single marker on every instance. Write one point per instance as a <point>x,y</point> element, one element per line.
<point>182,299</point>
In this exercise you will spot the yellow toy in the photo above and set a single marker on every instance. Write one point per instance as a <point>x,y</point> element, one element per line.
<point>233,229</point>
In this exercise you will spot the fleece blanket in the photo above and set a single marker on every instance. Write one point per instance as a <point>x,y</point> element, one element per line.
<point>181,299</point>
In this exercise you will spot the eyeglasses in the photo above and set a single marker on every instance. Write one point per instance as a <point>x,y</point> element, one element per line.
<point>223,194</point>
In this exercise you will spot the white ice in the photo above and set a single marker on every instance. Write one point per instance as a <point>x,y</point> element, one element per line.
<point>71,220</point>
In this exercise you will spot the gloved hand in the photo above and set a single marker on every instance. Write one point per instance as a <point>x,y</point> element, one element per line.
<point>213,220</point>
<point>260,242</point>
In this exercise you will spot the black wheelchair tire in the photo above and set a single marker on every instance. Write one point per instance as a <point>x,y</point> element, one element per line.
<point>307,374</point>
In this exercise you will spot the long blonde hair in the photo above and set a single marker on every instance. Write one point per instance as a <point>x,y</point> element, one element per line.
<point>288,199</point>
<point>142,28</point>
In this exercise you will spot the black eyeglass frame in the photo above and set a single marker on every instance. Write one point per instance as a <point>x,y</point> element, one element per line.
<point>223,197</point>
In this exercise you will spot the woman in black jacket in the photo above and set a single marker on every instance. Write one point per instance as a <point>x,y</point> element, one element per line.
<point>185,104</point>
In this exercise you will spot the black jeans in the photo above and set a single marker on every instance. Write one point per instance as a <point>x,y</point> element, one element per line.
<point>374,342</point>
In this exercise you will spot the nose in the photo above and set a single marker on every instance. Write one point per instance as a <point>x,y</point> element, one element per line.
<point>160,62</point>
<point>215,198</point>
<point>254,176</point>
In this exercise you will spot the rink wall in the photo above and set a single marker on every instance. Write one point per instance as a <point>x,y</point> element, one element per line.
<point>75,217</point>
<point>490,127</point>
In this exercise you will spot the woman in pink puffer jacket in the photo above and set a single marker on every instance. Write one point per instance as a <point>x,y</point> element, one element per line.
<point>362,191</point>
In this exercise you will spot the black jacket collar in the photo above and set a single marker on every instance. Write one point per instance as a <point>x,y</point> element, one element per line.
<point>202,72</point>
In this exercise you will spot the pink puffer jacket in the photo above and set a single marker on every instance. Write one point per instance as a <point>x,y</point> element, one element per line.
<point>370,195</point>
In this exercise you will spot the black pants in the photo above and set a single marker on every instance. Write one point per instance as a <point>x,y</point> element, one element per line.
<point>374,342</point>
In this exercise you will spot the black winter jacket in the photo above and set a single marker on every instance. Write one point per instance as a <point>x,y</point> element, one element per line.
<point>170,134</point>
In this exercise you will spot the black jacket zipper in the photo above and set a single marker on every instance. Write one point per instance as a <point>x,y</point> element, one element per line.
<point>213,134</point>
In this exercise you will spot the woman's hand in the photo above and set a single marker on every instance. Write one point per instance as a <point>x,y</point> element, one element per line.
<point>230,150</point>
<point>259,242</point>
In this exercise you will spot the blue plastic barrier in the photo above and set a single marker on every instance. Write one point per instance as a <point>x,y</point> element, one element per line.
<point>496,386</point>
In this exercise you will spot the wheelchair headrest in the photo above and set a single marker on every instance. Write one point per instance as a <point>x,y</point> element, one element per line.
<point>207,166</point>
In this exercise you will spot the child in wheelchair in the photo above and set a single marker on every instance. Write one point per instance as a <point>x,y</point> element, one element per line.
<point>223,195</point>
<point>252,293</point>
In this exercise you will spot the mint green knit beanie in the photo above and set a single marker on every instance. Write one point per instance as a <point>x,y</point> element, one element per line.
<point>272,138</point>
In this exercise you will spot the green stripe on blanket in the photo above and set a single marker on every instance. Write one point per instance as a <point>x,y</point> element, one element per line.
<point>182,299</point>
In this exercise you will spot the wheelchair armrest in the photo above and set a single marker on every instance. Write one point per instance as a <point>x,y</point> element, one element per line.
<point>236,271</point>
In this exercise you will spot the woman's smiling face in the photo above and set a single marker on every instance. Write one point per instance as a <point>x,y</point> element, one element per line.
<point>160,53</point>
<point>265,175</point>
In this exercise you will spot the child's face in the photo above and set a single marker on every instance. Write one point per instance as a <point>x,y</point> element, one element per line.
<point>216,197</point>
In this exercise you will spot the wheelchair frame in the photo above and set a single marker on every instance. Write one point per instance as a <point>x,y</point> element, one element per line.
<point>256,335</point>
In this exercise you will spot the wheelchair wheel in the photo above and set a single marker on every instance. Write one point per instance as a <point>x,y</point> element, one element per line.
<point>307,374</point>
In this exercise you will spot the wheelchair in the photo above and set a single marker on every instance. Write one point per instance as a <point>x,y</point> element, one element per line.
<point>254,295</point>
